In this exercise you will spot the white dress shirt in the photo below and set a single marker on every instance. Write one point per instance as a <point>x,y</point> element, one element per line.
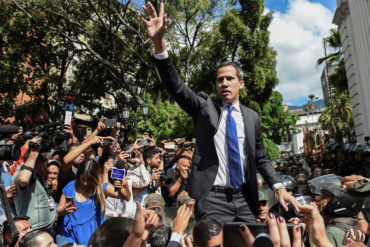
<point>223,173</point>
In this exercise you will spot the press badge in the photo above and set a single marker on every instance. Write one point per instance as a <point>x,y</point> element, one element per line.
<point>51,204</point>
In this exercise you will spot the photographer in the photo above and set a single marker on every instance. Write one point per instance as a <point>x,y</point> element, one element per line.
<point>176,177</point>
<point>33,199</point>
<point>143,175</point>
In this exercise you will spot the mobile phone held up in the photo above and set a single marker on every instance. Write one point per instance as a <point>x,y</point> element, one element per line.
<point>70,199</point>
<point>118,173</point>
<point>111,122</point>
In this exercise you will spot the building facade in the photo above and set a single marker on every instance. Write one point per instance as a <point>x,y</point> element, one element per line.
<point>353,20</point>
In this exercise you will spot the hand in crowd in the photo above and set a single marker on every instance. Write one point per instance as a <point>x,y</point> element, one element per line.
<point>15,136</point>
<point>66,208</point>
<point>108,165</point>
<point>354,238</point>
<point>101,126</point>
<point>186,241</point>
<point>123,155</point>
<point>285,197</point>
<point>144,221</point>
<point>349,180</point>
<point>155,176</point>
<point>11,191</point>
<point>278,232</point>
<point>138,158</point>
<point>315,225</point>
<point>53,185</point>
<point>181,221</point>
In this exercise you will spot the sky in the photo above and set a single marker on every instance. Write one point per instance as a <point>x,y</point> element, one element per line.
<point>297,31</point>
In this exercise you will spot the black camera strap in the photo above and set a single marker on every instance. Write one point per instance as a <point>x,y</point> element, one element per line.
<point>7,210</point>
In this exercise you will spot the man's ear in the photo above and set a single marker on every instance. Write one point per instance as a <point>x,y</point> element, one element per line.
<point>242,83</point>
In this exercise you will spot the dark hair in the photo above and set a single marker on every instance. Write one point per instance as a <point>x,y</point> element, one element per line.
<point>113,232</point>
<point>239,71</point>
<point>204,230</point>
<point>149,153</point>
<point>160,237</point>
<point>7,230</point>
<point>29,239</point>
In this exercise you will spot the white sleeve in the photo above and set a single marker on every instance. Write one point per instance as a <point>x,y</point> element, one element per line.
<point>161,56</point>
<point>139,180</point>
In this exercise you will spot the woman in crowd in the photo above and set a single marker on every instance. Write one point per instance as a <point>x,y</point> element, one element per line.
<point>83,204</point>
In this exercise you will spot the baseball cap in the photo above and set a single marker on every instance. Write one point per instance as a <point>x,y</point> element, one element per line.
<point>154,200</point>
<point>262,196</point>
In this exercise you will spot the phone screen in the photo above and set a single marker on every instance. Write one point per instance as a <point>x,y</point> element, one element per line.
<point>70,199</point>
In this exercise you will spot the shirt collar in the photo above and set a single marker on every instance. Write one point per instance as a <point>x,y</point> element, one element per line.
<point>236,106</point>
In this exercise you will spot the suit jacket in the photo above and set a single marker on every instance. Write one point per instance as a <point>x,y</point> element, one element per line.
<point>206,114</point>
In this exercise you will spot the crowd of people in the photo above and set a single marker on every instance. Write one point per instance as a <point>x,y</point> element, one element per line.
<point>63,198</point>
<point>73,187</point>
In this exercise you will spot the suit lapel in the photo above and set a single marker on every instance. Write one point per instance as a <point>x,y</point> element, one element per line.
<point>248,127</point>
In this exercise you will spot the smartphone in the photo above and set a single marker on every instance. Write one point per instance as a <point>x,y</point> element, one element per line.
<point>131,155</point>
<point>169,145</point>
<point>233,238</point>
<point>111,122</point>
<point>88,131</point>
<point>70,199</point>
<point>67,117</point>
<point>118,173</point>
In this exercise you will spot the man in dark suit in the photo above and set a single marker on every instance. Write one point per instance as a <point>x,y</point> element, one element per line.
<point>229,145</point>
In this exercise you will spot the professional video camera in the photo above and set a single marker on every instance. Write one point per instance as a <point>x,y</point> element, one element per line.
<point>9,151</point>
<point>52,134</point>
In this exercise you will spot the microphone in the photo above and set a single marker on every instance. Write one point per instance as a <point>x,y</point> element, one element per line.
<point>8,130</point>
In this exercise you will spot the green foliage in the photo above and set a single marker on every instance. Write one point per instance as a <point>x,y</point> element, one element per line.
<point>271,148</point>
<point>166,120</point>
<point>275,120</point>
<point>105,50</point>
<point>341,119</point>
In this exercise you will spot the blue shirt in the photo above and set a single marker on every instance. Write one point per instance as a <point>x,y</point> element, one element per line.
<point>77,227</point>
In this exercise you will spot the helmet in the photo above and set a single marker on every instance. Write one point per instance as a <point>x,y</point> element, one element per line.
<point>357,148</point>
<point>301,178</point>
<point>342,204</point>
<point>289,182</point>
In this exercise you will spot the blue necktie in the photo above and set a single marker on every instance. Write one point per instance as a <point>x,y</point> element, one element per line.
<point>236,175</point>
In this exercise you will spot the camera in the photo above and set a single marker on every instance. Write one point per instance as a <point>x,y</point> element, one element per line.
<point>52,134</point>
<point>107,142</point>
<point>131,155</point>
<point>10,152</point>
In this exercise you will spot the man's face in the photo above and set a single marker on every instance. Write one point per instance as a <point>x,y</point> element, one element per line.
<point>322,200</point>
<point>184,164</point>
<point>154,161</point>
<point>216,241</point>
<point>263,209</point>
<point>228,84</point>
<point>23,227</point>
<point>53,172</point>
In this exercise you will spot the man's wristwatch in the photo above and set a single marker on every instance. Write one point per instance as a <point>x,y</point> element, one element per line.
<point>281,187</point>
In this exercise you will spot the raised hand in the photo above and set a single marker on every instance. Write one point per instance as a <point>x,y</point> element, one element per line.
<point>156,25</point>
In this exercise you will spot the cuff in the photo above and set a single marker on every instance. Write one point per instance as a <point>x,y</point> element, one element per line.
<point>175,236</point>
<point>276,186</point>
<point>161,56</point>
